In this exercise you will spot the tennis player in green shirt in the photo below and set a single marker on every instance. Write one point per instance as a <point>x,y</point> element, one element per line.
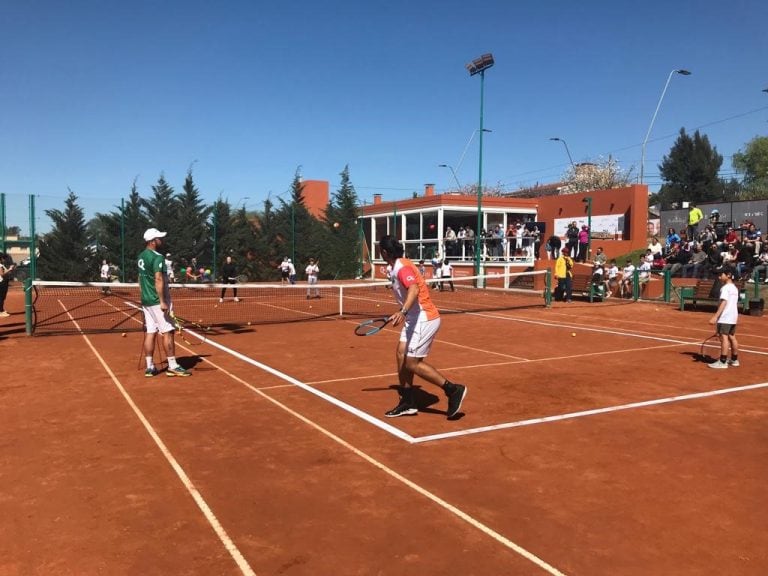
<point>156,304</point>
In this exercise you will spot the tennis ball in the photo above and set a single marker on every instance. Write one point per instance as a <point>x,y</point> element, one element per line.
<point>336,224</point>
<point>249,323</point>
<point>573,333</point>
<point>123,334</point>
<point>310,306</point>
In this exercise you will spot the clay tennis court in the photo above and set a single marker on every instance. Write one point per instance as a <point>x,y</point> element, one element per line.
<point>614,451</point>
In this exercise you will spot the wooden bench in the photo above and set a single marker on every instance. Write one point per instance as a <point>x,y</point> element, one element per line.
<point>582,282</point>
<point>702,290</point>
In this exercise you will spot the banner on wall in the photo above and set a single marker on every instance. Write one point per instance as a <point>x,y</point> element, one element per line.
<point>606,227</point>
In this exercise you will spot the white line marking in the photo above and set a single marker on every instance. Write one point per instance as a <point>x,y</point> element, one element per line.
<point>233,550</point>
<point>328,398</point>
<point>593,412</point>
<point>399,477</point>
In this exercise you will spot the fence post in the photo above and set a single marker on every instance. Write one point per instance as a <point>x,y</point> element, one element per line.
<point>548,288</point>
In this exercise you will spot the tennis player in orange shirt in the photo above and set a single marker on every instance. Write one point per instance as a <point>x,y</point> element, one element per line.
<point>421,321</point>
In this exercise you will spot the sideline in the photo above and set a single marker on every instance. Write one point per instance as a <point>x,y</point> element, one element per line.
<point>233,550</point>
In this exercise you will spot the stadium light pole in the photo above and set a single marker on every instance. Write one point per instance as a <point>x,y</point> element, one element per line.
<point>648,134</point>
<point>588,201</point>
<point>479,66</point>
<point>556,139</point>
<point>458,186</point>
<point>464,153</point>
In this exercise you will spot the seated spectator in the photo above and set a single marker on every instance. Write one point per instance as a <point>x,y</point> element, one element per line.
<point>600,256</point>
<point>627,274</point>
<point>655,248</point>
<point>760,271</point>
<point>752,240</point>
<point>672,238</point>
<point>694,267</point>
<point>598,278</point>
<point>645,272</point>
<point>676,259</point>
<point>732,259</point>
<point>713,262</point>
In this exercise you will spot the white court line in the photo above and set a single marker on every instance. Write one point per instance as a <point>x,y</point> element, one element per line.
<point>233,550</point>
<point>571,415</point>
<point>477,524</point>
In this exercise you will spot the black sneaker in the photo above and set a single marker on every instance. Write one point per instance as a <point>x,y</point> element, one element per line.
<point>402,409</point>
<point>456,394</point>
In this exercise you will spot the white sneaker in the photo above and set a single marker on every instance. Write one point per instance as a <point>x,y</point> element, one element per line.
<point>751,281</point>
<point>718,365</point>
<point>221,300</point>
<point>237,299</point>
<point>4,314</point>
<point>734,363</point>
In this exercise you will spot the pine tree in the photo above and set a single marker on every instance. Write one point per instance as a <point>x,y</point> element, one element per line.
<point>690,172</point>
<point>189,233</point>
<point>64,251</point>
<point>342,231</point>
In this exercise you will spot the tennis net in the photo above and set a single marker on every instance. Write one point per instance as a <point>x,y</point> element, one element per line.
<point>92,307</point>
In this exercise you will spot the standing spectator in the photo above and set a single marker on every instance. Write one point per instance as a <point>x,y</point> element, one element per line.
<point>446,271</point>
<point>6,271</point>
<point>169,268</point>
<point>554,243</point>
<point>572,238</point>
<point>312,271</point>
<point>285,270</point>
<point>422,269</point>
<point>470,241</point>
<point>725,320</point>
<point>104,275</point>
<point>229,276</point>
<point>421,322</point>
<point>461,237</point>
<point>436,262</point>
<point>694,217</point>
<point>536,235</point>
<point>583,243</point>
<point>450,242</point>
<point>564,275</point>
<point>156,304</point>
<point>291,272</point>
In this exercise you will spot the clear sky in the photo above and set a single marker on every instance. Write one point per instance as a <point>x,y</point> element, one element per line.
<point>95,94</point>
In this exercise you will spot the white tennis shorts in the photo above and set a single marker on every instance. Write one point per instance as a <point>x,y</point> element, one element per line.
<point>156,320</point>
<point>418,336</point>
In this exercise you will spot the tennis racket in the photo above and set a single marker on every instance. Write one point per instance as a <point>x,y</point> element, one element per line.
<point>371,327</point>
<point>241,279</point>
<point>182,329</point>
<point>703,356</point>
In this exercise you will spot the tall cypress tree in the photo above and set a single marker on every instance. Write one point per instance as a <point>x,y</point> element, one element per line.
<point>64,251</point>
<point>189,233</point>
<point>342,231</point>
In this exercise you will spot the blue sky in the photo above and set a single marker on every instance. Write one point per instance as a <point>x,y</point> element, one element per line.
<point>96,94</point>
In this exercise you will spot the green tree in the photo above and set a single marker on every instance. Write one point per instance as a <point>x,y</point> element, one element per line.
<point>161,209</point>
<point>189,233</point>
<point>752,163</point>
<point>64,251</point>
<point>690,172</point>
<point>342,239</point>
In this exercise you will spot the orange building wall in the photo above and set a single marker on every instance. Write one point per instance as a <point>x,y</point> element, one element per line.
<point>316,197</point>
<point>631,201</point>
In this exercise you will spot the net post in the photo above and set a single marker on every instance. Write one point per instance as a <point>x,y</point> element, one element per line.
<point>28,305</point>
<point>548,288</point>
<point>341,301</point>
<point>667,285</point>
<point>636,285</point>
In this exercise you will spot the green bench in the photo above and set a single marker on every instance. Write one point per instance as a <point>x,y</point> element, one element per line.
<point>701,292</point>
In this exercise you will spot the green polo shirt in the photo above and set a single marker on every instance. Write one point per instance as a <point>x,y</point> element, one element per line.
<point>149,263</point>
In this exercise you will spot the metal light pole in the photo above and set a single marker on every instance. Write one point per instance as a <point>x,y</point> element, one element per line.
<point>555,139</point>
<point>464,153</point>
<point>458,186</point>
<point>588,201</point>
<point>647,135</point>
<point>479,66</point>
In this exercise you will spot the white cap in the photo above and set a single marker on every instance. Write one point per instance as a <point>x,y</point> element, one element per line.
<point>153,233</point>
<point>168,255</point>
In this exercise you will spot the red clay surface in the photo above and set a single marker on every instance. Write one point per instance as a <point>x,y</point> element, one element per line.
<point>304,486</point>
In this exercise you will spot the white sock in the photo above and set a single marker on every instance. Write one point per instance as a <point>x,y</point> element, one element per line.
<point>150,363</point>
<point>172,362</point>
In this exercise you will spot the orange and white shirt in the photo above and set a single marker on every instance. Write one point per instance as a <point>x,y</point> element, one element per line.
<point>404,275</point>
